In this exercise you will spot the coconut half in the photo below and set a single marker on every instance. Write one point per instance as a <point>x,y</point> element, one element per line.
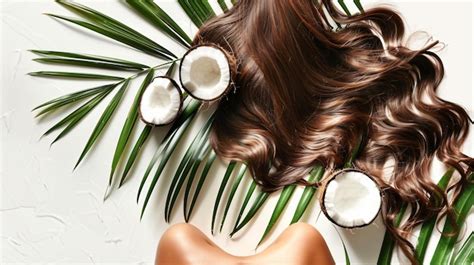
<point>351,199</point>
<point>206,72</point>
<point>160,102</point>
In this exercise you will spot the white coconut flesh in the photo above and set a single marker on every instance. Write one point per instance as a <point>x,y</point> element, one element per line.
<point>160,102</point>
<point>352,199</point>
<point>205,72</point>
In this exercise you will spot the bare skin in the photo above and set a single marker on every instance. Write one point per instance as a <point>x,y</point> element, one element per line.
<point>299,244</point>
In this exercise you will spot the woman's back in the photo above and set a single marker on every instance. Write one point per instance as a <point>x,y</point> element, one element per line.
<point>299,244</point>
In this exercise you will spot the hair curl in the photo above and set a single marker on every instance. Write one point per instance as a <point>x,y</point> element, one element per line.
<point>306,92</point>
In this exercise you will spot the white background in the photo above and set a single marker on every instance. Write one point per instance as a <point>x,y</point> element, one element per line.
<point>51,214</point>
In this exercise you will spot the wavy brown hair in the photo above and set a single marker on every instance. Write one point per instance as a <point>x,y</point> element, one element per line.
<point>306,90</point>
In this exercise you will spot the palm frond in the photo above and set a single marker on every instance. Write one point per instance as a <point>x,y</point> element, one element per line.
<point>235,186</point>
<point>160,19</point>
<point>217,201</point>
<point>466,252</point>
<point>428,226</point>
<point>65,100</point>
<point>248,195</point>
<point>136,149</point>
<point>75,117</point>
<point>204,152</point>
<point>210,160</point>
<point>80,111</point>
<point>142,138</point>
<point>187,114</point>
<point>359,6</point>
<point>103,120</point>
<point>186,163</point>
<point>388,244</point>
<point>206,8</point>
<point>129,124</point>
<point>95,61</point>
<point>72,75</point>
<point>223,5</point>
<point>191,12</point>
<point>197,10</point>
<point>188,166</point>
<point>258,203</point>
<point>315,175</point>
<point>462,206</point>
<point>114,29</point>
<point>171,142</point>
<point>283,200</point>
<point>344,7</point>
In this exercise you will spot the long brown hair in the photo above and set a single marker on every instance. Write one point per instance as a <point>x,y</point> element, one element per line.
<point>305,91</point>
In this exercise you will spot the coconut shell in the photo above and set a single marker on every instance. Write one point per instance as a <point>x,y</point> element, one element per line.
<point>180,103</point>
<point>232,70</point>
<point>331,178</point>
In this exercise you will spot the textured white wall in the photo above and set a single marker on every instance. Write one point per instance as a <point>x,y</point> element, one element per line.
<point>51,214</point>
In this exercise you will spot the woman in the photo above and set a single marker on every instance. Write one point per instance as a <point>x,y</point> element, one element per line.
<point>299,244</point>
<point>311,81</point>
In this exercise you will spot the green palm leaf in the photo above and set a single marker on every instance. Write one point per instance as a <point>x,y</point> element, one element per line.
<point>158,17</point>
<point>198,9</point>
<point>157,155</point>
<point>65,100</point>
<point>129,124</point>
<point>187,114</point>
<point>462,206</point>
<point>68,58</point>
<point>428,226</point>
<point>74,118</point>
<point>344,7</point>
<point>210,160</point>
<point>186,163</point>
<point>245,202</point>
<point>115,26</point>
<point>225,179</point>
<point>165,157</point>
<point>140,43</point>
<point>259,201</point>
<point>359,5</point>
<point>56,74</point>
<point>222,5</point>
<point>198,153</point>
<point>203,153</point>
<point>388,244</point>
<point>171,142</point>
<point>235,186</point>
<point>315,175</point>
<point>283,200</point>
<point>206,8</point>
<point>143,136</point>
<point>136,149</point>
<point>103,120</point>
<point>192,12</point>
<point>466,253</point>
<point>80,111</point>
